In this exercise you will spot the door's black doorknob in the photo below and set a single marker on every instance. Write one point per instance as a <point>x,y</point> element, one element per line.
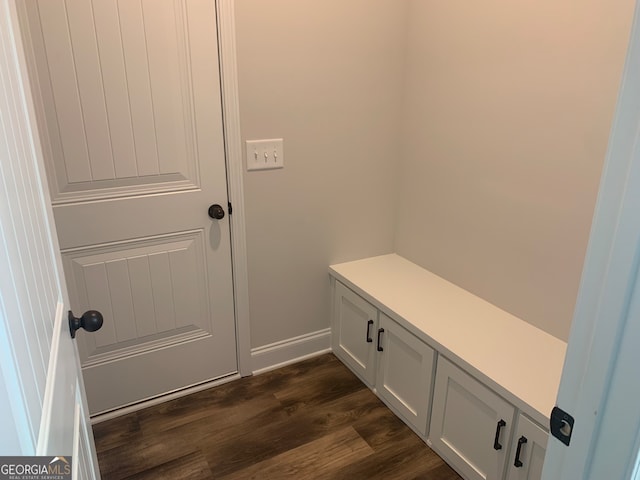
<point>91,321</point>
<point>216,212</point>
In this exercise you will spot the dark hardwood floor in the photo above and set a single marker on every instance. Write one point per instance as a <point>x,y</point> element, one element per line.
<point>311,420</point>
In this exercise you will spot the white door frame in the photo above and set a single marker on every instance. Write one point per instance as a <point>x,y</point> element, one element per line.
<point>600,385</point>
<point>235,167</point>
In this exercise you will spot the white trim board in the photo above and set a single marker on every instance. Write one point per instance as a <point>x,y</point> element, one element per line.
<point>292,350</point>
<point>233,150</point>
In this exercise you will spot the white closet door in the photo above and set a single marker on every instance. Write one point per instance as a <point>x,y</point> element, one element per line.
<point>129,96</point>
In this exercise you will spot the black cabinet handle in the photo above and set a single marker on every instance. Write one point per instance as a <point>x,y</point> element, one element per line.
<point>369,339</point>
<point>496,443</point>
<point>380,332</point>
<point>521,441</point>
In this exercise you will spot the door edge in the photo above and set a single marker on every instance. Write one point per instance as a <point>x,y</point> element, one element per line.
<point>233,158</point>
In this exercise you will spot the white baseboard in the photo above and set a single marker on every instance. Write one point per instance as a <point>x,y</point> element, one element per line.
<point>292,350</point>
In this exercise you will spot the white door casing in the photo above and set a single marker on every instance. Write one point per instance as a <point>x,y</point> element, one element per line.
<point>132,125</point>
<point>41,381</point>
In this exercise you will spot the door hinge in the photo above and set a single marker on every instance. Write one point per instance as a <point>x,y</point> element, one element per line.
<point>561,425</point>
<point>230,208</point>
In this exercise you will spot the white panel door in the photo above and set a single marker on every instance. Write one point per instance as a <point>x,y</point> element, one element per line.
<point>353,332</point>
<point>470,425</point>
<point>41,390</point>
<point>405,373</point>
<point>130,101</point>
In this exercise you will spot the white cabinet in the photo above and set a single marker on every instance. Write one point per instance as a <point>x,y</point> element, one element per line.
<point>473,429</point>
<point>470,425</point>
<point>528,447</point>
<point>392,361</point>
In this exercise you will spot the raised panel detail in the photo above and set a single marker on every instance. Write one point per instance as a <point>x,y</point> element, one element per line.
<point>152,292</point>
<point>396,378</point>
<point>464,422</point>
<point>352,316</point>
<point>350,333</point>
<point>405,373</point>
<point>118,98</point>
<point>532,452</point>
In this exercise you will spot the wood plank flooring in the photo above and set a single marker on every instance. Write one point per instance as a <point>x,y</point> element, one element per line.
<point>311,420</point>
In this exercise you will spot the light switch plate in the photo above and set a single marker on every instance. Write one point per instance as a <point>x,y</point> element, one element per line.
<point>265,154</point>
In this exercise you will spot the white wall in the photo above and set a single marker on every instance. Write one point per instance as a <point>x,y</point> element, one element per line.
<point>468,137</point>
<point>325,75</point>
<point>507,112</point>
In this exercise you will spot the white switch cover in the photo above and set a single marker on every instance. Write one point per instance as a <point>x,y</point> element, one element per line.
<point>265,154</point>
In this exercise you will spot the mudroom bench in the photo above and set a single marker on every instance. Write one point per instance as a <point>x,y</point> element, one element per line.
<point>473,381</point>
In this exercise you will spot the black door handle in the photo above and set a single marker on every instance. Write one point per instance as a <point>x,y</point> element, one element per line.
<point>521,441</point>
<point>380,332</point>
<point>91,321</point>
<point>216,212</point>
<point>496,443</point>
<point>369,339</point>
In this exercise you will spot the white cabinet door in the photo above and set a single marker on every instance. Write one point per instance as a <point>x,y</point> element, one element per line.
<point>404,374</point>
<point>470,424</point>
<point>353,332</point>
<point>528,448</point>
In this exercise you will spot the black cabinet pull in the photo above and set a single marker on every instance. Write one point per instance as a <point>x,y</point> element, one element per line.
<point>380,332</point>
<point>496,443</point>
<point>369,339</point>
<point>521,441</point>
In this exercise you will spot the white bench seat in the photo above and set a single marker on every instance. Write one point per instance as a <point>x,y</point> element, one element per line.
<point>518,361</point>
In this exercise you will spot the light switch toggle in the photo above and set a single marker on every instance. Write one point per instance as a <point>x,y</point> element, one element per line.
<point>265,154</point>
